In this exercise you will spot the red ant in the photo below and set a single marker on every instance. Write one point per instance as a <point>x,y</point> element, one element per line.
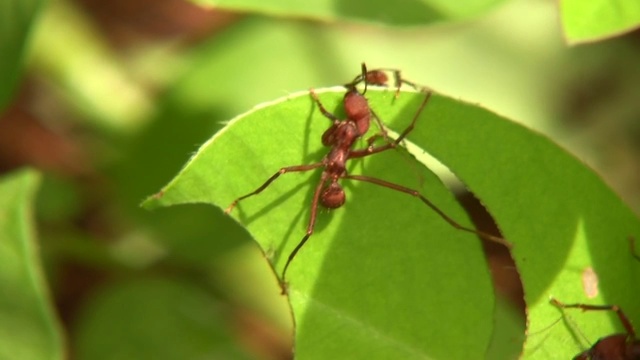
<point>379,77</point>
<point>613,347</point>
<point>341,138</point>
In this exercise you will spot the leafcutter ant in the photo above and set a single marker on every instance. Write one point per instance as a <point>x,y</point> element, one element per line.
<point>341,138</point>
<point>379,77</point>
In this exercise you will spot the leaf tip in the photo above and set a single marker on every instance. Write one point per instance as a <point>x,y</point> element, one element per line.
<point>153,201</point>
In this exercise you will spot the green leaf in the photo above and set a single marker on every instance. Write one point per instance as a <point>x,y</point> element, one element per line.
<point>560,216</point>
<point>28,327</point>
<point>586,21</point>
<point>16,17</point>
<point>154,319</point>
<point>378,273</point>
<point>404,12</point>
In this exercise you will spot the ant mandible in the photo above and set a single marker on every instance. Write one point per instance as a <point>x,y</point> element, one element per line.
<point>341,138</point>
<point>613,347</point>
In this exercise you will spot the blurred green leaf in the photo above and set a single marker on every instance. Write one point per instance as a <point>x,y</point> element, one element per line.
<point>378,284</point>
<point>28,328</point>
<point>586,21</point>
<point>74,56</point>
<point>154,319</point>
<point>403,12</point>
<point>16,19</point>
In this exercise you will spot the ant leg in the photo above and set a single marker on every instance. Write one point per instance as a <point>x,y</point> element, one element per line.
<point>415,119</point>
<point>398,80</point>
<point>363,76</point>
<point>584,307</point>
<point>412,84</point>
<point>324,111</point>
<point>372,139</point>
<point>433,207</point>
<point>312,223</point>
<point>284,170</point>
<point>374,150</point>
<point>632,246</point>
<point>379,77</point>
<point>382,133</point>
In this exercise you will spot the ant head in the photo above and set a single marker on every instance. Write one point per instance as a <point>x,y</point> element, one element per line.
<point>333,196</point>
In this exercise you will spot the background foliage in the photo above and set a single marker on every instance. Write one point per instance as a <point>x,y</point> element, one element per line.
<point>109,100</point>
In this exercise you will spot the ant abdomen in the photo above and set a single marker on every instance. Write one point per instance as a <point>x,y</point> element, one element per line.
<point>333,196</point>
<point>375,77</point>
